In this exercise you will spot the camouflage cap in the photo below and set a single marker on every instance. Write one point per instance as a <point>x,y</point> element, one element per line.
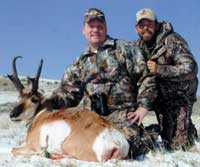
<point>94,13</point>
<point>145,13</point>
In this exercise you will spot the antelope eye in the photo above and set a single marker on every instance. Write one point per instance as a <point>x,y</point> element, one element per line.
<point>34,100</point>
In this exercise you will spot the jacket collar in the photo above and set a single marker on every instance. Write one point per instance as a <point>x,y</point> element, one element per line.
<point>165,30</point>
<point>109,42</point>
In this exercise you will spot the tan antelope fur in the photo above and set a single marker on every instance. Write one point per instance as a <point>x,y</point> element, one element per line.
<point>80,134</point>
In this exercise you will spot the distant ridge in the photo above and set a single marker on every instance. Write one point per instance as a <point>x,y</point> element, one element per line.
<point>48,85</point>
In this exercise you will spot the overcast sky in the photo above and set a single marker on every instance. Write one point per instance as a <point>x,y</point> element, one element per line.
<point>52,29</point>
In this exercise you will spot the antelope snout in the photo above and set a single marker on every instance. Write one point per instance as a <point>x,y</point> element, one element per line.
<point>16,112</point>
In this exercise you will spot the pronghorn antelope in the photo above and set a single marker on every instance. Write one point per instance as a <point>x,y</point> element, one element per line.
<point>80,134</point>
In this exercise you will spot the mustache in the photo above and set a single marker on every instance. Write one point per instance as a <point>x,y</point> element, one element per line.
<point>147,30</point>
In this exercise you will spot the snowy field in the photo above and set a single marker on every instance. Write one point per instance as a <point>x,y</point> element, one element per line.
<point>13,134</point>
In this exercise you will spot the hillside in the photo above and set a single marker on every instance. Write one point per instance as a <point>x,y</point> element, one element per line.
<point>47,86</point>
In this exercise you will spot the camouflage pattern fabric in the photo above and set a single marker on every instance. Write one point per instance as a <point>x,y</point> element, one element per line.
<point>177,85</point>
<point>117,73</point>
<point>117,70</point>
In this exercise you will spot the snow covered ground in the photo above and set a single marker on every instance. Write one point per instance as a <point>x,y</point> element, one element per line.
<point>13,134</point>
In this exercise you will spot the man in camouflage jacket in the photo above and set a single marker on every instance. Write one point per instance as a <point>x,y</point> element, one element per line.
<point>109,78</point>
<point>170,60</point>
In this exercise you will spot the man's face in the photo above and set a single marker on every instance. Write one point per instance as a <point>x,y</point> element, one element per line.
<point>146,29</point>
<point>95,32</point>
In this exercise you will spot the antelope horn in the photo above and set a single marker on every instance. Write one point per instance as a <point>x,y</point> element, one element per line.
<point>36,80</point>
<point>14,77</point>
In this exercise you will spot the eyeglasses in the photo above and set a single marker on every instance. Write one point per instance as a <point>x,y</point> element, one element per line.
<point>148,25</point>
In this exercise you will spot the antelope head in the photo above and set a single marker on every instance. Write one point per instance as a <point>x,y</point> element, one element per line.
<point>29,98</point>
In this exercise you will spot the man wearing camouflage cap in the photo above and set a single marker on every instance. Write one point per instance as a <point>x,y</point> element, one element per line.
<point>109,77</point>
<point>170,60</point>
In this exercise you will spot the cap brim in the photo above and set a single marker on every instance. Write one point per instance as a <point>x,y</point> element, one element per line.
<point>88,19</point>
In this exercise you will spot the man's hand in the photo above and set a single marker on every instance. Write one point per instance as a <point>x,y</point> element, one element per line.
<point>137,116</point>
<point>152,66</point>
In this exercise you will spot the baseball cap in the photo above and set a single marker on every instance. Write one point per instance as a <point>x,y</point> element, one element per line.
<point>94,13</point>
<point>145,13</point>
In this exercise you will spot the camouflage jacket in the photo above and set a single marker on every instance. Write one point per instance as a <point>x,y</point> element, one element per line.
<point>117,69</point>
<point>177,69</point>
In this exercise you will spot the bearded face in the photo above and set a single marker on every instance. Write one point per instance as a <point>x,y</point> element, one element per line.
<point>146,29</point>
